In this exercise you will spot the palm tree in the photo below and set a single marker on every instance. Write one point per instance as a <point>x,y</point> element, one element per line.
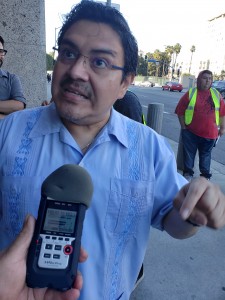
<point>192,51</point>
<point>170,51</point>
<point>177,49</point>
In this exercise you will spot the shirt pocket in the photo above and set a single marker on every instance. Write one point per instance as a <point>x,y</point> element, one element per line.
<point>128,201</point>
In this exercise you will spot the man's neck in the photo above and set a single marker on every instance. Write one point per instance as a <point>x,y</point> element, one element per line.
<point>84,135</point>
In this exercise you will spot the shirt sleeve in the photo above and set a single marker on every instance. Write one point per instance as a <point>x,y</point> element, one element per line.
<point>167,182</point>
<point>222,107</point>
<point>16,90</point>
<point>182,104</point>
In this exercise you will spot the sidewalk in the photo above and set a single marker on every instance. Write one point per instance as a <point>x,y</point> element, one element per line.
<point>192,269</point>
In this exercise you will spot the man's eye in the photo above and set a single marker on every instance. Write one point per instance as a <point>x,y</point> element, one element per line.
<point>68,54</point>
<point>99,63</point>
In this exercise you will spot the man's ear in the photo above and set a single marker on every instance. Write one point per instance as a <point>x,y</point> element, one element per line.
<point>125,84</point>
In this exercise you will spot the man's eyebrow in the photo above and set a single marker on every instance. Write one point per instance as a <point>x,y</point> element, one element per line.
<point>68,43</point>
<point>92,51</point>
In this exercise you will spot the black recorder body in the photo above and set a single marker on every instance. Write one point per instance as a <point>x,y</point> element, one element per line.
<point>55,247</point>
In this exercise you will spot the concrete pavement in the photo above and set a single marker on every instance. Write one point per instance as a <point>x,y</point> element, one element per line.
<point>191,269</point>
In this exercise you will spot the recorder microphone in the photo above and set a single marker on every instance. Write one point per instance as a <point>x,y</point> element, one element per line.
<point>55,247</point>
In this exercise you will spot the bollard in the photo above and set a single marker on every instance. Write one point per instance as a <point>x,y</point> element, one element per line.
<point>155,116</point>
<point>180,153</point>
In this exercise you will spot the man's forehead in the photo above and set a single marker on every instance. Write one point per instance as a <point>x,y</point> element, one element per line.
<point>206,75</point>
<point>90,31</point>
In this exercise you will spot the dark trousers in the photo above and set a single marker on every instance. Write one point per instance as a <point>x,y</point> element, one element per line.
<point>192,143</point>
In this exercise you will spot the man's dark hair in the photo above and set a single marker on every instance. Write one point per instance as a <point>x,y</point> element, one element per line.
<point>200,76</point>
<point>101,13</point>
<point>2,41</point>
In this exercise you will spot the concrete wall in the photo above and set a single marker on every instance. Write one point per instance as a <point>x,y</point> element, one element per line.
<point>187,81</point>
<point>22,26</point>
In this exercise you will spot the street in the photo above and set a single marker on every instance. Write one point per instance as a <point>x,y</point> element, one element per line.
<point>170,125</point>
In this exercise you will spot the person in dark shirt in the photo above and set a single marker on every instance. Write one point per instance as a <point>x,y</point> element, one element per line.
<point>130,107</point>
<point>11,94</point>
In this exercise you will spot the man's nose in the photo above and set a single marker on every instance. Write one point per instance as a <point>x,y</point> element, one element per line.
<point>80,68</point>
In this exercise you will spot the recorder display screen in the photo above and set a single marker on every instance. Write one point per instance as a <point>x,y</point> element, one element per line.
<point>60,220</point>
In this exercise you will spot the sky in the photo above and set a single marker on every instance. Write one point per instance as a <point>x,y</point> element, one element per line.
<point>154,23</point>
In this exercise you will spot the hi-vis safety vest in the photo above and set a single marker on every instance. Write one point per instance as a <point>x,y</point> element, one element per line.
<point>143,119</point>
<point>189,112</point>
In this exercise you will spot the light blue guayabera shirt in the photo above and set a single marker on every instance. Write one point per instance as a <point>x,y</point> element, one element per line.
<point>133,189</point>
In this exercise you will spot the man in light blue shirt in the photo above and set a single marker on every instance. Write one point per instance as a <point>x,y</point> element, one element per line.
<point>133,168</point>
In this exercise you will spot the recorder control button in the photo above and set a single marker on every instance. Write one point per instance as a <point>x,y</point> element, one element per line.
<point>48,246</point>
<point>58,247</point>
<point>56,256</point>
<point>68,249</point>
<point>47,255</point>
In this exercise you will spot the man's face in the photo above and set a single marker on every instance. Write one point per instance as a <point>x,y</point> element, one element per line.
<point>1,55</point>
<point>82,93</point>
<point>206,81</point>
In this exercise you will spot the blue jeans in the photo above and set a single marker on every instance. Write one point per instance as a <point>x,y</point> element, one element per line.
<point>192,143</point>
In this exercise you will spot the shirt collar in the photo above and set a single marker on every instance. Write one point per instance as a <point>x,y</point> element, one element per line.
<point>117,126</point>
<point>50,122</point>
<point>3,73</point>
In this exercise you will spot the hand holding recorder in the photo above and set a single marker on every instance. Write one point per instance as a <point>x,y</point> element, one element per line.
<point>13,272</point>
<point>55,247</point>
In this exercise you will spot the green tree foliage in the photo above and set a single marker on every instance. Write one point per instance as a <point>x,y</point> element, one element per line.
<point>142,66</point>
<point>220,76</point>
<point>49,61</point>
<point>177,49</point>
<point>165,58</point>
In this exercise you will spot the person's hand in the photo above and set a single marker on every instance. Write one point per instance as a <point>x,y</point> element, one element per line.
<point>221,131</point>
<point>13,272</point>
<point>2,116</point>
<point>45,103</point>
<point>202,203</point>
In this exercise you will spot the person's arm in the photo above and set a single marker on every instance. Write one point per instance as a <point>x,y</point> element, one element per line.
<point>200,202</point>
<point>13,272</point>
<point>9,106</point>
<point>180,109</point>
<point>16,100</point>
<point>222,126</point>
<point>182,123</point>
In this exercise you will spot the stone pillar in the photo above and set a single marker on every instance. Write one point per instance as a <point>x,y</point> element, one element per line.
<point>22,26</point>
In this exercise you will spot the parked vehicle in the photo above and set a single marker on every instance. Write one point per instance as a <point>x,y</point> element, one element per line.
<point>147,84</point>
<point>172,86</point>
<point>220,86</point>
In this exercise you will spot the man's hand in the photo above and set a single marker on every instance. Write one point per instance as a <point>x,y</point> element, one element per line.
<point>13,272</point>
<point>202,203</point>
